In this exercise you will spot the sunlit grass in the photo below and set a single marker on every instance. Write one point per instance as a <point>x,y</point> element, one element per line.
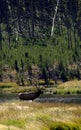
<point>40,116</point>
<point>63,126</point>
<point>9,84</point>
<point>18,89</point>
<point>69,87</point>
<point>13,87</point>
<point>74,83</point>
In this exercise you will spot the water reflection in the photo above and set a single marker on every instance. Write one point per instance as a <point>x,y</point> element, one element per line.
<point>5,97</point>
<point>60,98</point>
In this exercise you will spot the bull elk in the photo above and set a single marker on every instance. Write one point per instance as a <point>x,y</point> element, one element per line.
<point>30,96</point>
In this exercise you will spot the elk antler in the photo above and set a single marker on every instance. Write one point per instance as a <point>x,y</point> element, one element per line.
<point>35,82</point>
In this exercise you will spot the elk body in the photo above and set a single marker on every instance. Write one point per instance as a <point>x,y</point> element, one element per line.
<point>30,96</point>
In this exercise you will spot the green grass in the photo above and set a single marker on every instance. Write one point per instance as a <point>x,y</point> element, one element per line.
<point>13,87</point>
<point>63,126</point>
<point>17,89</point>
<point>8,85</point>
<point>69,87</point>
<point>18,123</point>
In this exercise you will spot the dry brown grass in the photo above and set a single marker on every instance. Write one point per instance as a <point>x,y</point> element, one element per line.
<point>70,87</point>
<point>23,115</point>
<point>70,84</point>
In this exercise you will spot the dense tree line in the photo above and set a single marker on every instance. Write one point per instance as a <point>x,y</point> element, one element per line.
<point>52,26</point>
<point>31,18</point>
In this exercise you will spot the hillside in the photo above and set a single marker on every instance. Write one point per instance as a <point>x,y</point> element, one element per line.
<point>70,87</point>
<point>44,34</point>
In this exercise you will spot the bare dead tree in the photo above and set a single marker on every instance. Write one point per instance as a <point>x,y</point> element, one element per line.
<point>54,17</point>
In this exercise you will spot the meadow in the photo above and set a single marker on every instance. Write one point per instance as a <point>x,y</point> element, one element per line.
<point>23,115</point>
<point>26,115</point>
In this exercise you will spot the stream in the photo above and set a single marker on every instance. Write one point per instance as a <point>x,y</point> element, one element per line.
<point>60,98</point>
<point>44,98</point>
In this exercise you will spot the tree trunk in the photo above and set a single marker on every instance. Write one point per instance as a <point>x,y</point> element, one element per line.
<point>32,17</point>
<point>0,38</point>
<point>18,15</point>
<point>75,38</point>
<point>53,22</point>
<point>69,38</point>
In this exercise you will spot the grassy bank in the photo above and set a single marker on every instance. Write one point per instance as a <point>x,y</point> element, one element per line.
<point>18,115</point>
<point>15,88</point>
<point>70,87</point>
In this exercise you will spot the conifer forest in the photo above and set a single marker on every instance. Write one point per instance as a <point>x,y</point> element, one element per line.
<point>41,34</point>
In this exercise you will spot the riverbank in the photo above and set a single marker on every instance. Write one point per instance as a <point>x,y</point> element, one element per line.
<point>69,87</point>
<point>61,111</point>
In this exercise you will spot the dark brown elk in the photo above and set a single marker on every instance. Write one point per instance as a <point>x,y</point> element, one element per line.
<point>30,96</point>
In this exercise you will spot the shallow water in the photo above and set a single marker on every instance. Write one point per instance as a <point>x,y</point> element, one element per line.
<point>60,98</point>
<point>4,97</point>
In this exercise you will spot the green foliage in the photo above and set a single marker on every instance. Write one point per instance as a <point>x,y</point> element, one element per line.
<point>63,126</point>
<point>18,123</point>
<point>55,51</point>
<point>61,50</point>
